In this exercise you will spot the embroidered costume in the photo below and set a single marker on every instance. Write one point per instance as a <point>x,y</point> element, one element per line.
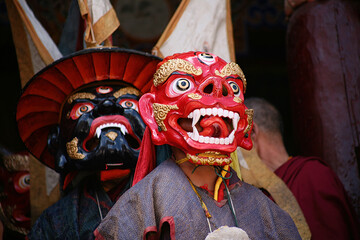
<point>164,203</point>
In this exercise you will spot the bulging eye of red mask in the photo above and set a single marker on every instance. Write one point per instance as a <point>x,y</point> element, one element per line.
<point>179,86</point>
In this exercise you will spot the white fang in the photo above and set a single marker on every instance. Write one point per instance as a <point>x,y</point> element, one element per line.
<point>120,126</point>
<point>197,113</point>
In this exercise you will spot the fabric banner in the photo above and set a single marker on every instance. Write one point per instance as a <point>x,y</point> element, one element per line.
<point>34,47</point>
<point>199,25</point>
<point>101,21</point>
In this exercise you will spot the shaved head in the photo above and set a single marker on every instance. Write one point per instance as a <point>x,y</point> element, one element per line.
<point>266,116</point>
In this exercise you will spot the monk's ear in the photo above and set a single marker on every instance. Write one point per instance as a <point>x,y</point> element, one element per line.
<point>147,113</point>
<point>254,132</point>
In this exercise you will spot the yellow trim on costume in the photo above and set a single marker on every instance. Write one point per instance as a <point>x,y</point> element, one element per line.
<point>180,161</point>
<point>219,181</point>
<point>235,164</point>
<point>208,215</point>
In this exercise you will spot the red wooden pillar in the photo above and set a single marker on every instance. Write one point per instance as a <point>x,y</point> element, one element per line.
<point>323,57</point>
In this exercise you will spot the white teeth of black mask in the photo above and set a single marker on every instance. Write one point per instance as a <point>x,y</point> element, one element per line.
<point>121,127</point>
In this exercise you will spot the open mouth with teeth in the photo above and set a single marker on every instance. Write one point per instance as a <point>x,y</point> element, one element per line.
<point>110,127</point>
<point>215,126</point>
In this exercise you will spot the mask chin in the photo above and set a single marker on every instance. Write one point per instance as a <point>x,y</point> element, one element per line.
<point>110,150</point>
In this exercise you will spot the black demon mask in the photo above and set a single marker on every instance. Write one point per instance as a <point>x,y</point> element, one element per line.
<point>100,129</point>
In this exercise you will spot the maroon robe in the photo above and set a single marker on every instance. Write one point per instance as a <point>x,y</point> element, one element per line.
<point>321,197</point>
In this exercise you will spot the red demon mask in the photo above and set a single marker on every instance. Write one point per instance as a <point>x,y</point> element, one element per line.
<point>196,105</point>
<point>15,191</point>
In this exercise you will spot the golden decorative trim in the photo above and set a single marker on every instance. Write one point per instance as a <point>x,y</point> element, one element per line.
<point>17,162</point>
<point>250,114</point>
<point>127,90</point>
<point>232,69</point>
<point>219,180</point>
<point>171,66</point>
<point>160,113</point>
<point>112,135</point>
<point>204,154</point>
<point>194,96</point>
<point>208,158</point>
<point>180,161</point>
<point>203,205</point>
<point>72,149</point>
<point>81,95</point>
<point>237,99</point>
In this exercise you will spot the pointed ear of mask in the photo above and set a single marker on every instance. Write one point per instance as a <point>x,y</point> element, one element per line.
<point>246,142</point>
<point>147,114</point>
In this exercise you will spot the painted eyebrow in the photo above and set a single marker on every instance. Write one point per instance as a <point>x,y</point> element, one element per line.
<point>81,95</point>
<point>231,77</point>
<point>182,74</point>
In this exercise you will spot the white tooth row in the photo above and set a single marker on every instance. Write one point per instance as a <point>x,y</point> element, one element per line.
<point>197,113</point>
<point>108,125</point>
<point>212,140</point>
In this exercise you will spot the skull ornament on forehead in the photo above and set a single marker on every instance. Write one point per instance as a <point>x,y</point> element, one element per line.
<point>196,105</point>
<point>100,128</point>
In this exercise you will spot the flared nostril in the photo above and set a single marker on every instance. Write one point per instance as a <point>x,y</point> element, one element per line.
<point>209,88</point>
<point>216,90</point>
<point>224,91</point>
